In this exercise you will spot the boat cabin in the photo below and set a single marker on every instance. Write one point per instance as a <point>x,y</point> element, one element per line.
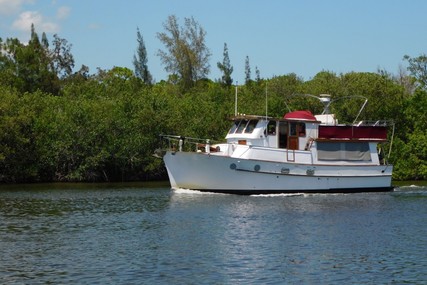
<point>299,129</point>
<point>293,131</point>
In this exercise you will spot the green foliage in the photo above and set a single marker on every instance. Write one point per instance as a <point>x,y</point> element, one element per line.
<point>247,71</point>
<point>33,66</point>
<point>17,153</point>
<point>140,60</point>
<point>410,157</point>
<point>418,68</point>
<point>226,68</point>
<point>105,126</point>
<point>186,55</point>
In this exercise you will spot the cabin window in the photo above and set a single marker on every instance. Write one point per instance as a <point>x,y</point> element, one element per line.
<point>350,151</point>
<point>234,127</point>
<point>250,127</point>
<point>297,129</point>
<point>293,129</point>
<point>241,127</point>
<point>301,129</point>
<point>271,128</point>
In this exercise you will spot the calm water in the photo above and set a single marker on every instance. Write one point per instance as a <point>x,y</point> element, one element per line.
<point>136,234</point>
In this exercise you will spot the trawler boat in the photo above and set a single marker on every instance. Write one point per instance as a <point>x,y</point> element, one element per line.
<point>299,152</point>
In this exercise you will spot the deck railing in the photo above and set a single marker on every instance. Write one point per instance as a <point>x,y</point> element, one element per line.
<point>378,123</point>
<point>181,143</point>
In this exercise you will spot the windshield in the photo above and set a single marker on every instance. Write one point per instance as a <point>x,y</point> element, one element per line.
<point>241,127</point>
<point>234,126</point>
<point>251,126</point>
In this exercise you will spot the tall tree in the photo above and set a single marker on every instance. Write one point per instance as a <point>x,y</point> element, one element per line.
<point>418,68</point>
<point>62,60</point>
<point>26,66</point>
<point>226,68</point>
<point>33,66</point>
<point>34,37</point>
<point>186,53</point>
<point>247,70</point>
<point>257,74</point>
<point>45,41</point>
<point>140,60</point>
<point>408,82</point>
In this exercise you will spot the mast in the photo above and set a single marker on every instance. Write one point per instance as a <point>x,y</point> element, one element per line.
<point>235,101</point>
<point>266,100</point>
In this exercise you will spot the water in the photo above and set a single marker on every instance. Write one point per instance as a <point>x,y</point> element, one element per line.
<point>137,234</point>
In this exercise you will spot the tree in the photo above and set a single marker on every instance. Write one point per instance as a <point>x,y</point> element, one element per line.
<point>226,68</point>
<point>34,37</point>
<point>26,66</point>
<point>18,151</point>
<point>418,68</point>
<point>257,74</point>
<point>33,66</point>
<point>403,79</point>
<point>247,70</point>
<point>325,82</point>
<point>140,61</point>
<point>45,41</point>
<point>410,151</point>
<point>186,52</point>
<point>62,61</point>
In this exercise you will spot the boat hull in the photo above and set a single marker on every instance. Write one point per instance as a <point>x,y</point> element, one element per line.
<point>225,174</point>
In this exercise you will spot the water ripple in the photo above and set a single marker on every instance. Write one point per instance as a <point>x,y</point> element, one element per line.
<point>159,236</point>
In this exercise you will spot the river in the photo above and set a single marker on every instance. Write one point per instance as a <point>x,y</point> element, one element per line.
<point>150,234</point>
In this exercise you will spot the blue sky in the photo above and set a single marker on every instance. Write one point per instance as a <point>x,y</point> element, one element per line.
<point>279,36</point>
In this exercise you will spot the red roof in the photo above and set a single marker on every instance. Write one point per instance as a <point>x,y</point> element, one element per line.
<point>300,115</point>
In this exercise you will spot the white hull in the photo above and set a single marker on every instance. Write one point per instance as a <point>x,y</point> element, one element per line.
<point>207,172</point>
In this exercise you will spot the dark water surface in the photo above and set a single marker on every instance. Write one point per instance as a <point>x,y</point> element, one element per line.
<point>138,234</point>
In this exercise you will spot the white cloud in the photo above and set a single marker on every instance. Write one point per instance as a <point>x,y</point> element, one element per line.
<point>11,7</point>
<point>62,12</point>
<point>23,23</point>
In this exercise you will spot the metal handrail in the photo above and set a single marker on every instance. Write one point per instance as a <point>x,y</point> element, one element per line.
<point>181,140</point>
<point>378,123</point>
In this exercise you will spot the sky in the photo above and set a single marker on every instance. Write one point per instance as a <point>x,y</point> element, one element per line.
<point>279,36</point>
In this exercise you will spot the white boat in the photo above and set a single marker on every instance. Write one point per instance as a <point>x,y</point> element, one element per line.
<point>297,153</point>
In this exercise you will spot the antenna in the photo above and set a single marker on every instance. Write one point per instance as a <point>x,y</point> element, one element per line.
<point>361,109</point>
<point>235,101</point>
<point>266,100</point>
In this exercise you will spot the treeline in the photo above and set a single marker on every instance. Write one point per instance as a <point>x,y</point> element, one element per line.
<point>56,125</point>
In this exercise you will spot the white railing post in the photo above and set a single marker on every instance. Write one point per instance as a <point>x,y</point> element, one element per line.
<point>180,144</point>
<point>208,147</point>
